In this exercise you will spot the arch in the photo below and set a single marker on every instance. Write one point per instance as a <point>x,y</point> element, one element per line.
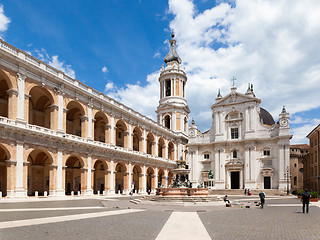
<point>74,174</point>
<point>40,176</point>
<point>120,171</point>
<point>75,112</point>
<point>39,107</point>
<point>161,145</point>
<point>100,173</point>
<point>161,179</point>
<point>136,139</point>
<point>171,151</point>
<point>4,97</point>
<point>167,121</point>
<point>150,141</point>
<point>100,127</point>
<point>136,178</point>
<point>121,134</point>
<point>4,155</point>
<point>150,182</point>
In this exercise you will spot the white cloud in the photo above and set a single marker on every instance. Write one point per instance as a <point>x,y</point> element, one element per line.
<point>157,55</point>
<point>271,44</point>
<point>60,65</point>
<point>109,87</point>
<point>55,62</point>
<point>104,69</point>
<point>143,99</point>
<point>4,20</point>
<point>300,133</point>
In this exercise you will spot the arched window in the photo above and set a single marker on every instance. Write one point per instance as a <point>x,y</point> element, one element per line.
<point>234,154</point>
<point>168,88</point>
<point>167,122</point>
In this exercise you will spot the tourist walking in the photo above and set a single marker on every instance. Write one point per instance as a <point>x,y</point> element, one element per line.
<point>262,196</point>
<point>305,200</point>
<point>226,199</point>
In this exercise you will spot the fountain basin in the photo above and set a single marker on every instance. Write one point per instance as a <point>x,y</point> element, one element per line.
<point>182,191</point>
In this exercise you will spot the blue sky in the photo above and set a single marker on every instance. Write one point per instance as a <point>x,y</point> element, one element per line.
<point>117,47</point>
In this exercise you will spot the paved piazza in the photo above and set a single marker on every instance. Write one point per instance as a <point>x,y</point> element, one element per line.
<point>118,218</point>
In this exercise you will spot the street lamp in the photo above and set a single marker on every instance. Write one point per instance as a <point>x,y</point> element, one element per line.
<point>287,176</point>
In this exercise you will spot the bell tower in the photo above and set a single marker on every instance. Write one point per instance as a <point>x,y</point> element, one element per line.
<point>173,109</point>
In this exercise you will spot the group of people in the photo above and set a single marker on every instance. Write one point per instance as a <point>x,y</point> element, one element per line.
<point>247,192</point>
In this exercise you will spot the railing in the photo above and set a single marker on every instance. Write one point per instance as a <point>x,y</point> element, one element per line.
<point>39,129</point>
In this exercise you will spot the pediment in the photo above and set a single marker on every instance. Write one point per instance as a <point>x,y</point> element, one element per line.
<point>235,98</point>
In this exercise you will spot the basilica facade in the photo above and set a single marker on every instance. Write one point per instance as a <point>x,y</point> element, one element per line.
<point>245,147</point>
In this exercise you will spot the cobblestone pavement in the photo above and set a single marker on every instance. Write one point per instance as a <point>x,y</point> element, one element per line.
<point>280,219</point>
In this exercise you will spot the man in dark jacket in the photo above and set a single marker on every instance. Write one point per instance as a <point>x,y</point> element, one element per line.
<point>262,196</point>
<point>305,200</point>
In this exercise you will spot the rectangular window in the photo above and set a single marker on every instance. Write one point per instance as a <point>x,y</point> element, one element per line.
<point>206,156</point>
<point>234,133</point>
<point>266,152</point>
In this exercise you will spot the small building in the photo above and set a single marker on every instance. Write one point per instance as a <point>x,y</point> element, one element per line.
<point>297,154</point>
<point>311,161</point>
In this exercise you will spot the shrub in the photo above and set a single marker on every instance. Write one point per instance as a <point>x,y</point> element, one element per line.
<point>299,192</point>
<point>314,194</point>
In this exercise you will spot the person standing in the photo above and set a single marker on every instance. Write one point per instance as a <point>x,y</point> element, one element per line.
<point>305,200</point>
<point>262,196</point>
<point>245,192</point>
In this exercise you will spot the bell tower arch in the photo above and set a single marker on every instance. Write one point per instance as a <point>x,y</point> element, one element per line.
<point>173,109</point>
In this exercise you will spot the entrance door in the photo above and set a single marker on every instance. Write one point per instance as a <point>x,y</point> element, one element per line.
<point>267,182</point>
<point>235,180</point>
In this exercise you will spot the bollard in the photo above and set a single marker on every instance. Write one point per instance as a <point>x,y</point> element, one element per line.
<point>118,191</point>
<point>0,194</point>
<point>45,194</point>
<point>72,193</point>
<point>78,193</point>
<point>104,193</point>
<point>36,194</point>
<point>98,192</point>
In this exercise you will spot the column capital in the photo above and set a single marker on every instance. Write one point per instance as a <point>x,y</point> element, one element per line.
<point>21,76</point>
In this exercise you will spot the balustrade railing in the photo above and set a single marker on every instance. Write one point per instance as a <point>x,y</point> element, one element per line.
<point>7,121</point>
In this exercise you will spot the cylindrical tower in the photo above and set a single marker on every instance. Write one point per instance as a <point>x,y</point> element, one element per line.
<point>173,109</point>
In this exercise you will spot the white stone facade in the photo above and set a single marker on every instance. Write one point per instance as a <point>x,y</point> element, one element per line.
<point>244,148</point>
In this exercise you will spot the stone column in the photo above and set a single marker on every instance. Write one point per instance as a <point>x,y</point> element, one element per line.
<point>166,178</point>
<point>60,111</point>
<point>53,117</point>
<point>247,119</point>
<point>52,180</point>
<point>89,190</point>
<point>112,132</point>
<point>12,103</point>
<point>20,191</point>
<point>112,182</point>
<point>11,178</point>
<point>130,137</point>
<point>174,121</point>
<point>155,146</point>
<point>90,133</point>
<point>84,126</point>
<point>253,170</point>
<point>247,171</point>
<point>60,176</point>
<point>130,177</point>
<point>156,177</point>
<point>217,122</point>
<point>144,179</point>
<point>165,148</point>
<point>21,95</point>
